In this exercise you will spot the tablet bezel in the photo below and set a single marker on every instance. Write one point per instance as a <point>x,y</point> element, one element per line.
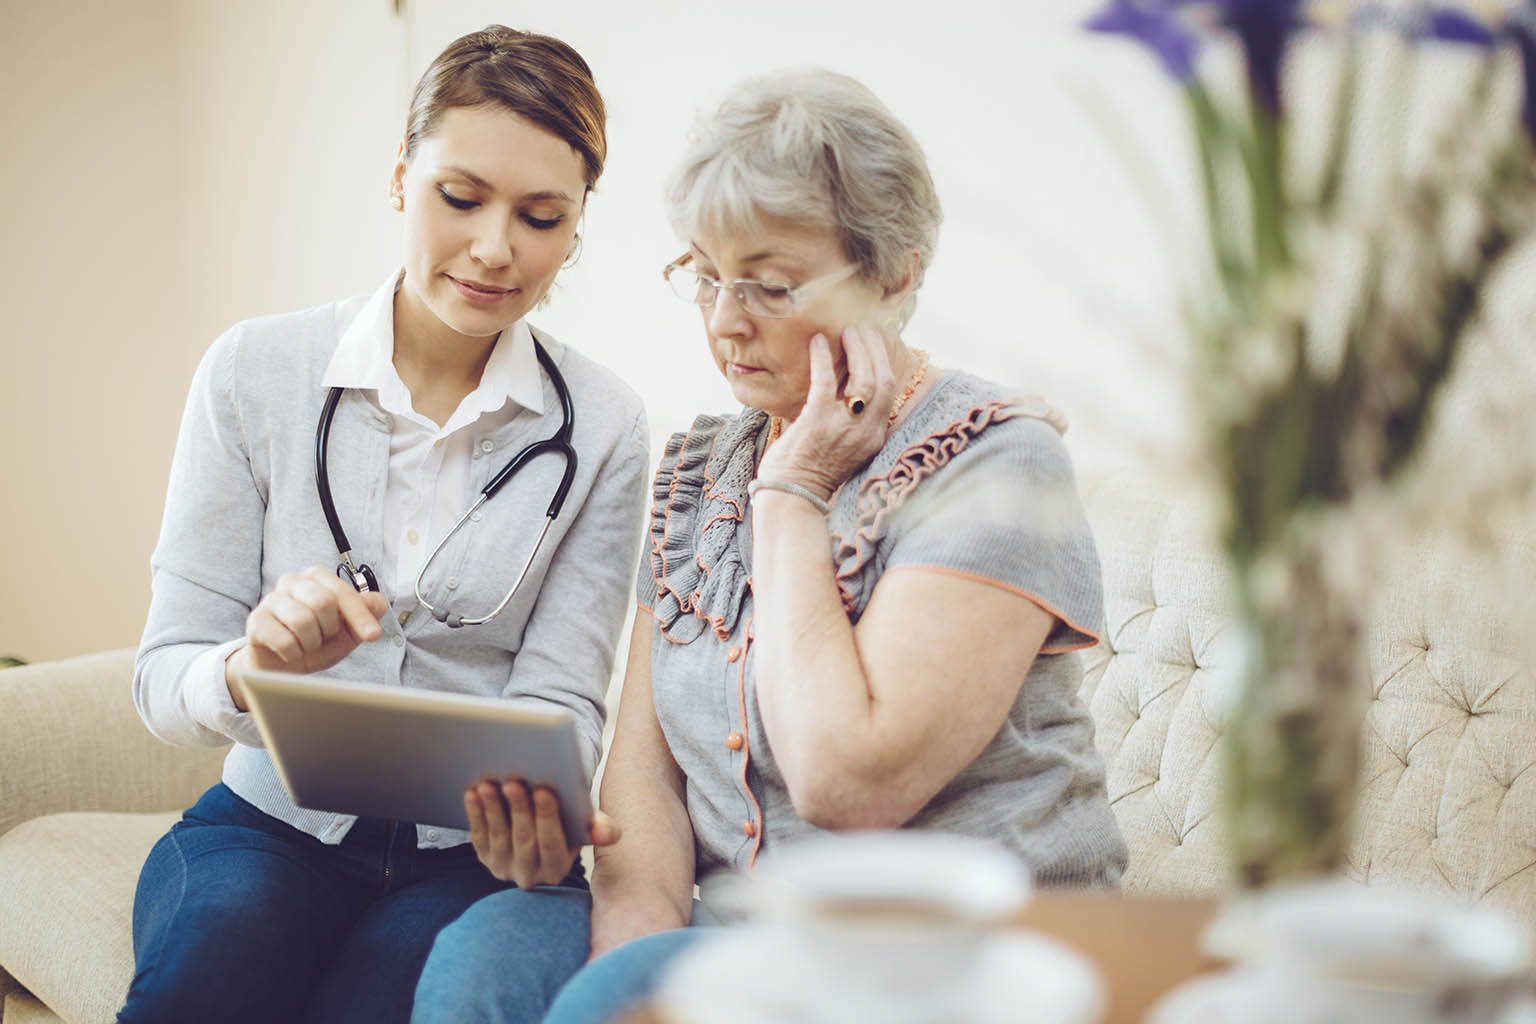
<point>454,735</point>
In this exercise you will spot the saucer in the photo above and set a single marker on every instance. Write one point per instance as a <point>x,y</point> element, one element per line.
<point>766,974</point>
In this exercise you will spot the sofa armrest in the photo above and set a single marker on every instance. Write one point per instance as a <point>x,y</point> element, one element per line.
<point>71,740</point>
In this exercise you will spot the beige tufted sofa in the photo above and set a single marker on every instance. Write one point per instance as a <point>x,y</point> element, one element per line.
<point>1447,802</point>
<point>1448,797</point>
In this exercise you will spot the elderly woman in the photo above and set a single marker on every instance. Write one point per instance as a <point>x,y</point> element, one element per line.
<point>860,596</point>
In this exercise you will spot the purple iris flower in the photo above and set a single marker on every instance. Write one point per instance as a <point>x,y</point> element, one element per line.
<point>1417,23</point>
<point>1520,29</point>
<point>1156,24</point>
<point>1455,27</point>
<point>1263,27</point>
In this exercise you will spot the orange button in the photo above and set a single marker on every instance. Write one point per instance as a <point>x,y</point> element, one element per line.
<point>733,653</point>
<point>734,741</point>
<point>750,828</point>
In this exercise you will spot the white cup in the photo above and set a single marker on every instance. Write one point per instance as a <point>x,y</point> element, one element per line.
<point>910,908</point>
<point>901,927</point>
<point>1337,951</point>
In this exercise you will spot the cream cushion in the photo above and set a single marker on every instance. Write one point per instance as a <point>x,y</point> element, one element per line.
<point>1149,684</point>
<point>1448,800</point>
<point>79,868</point>
<point>84,792</point>
<point>21,1008</point>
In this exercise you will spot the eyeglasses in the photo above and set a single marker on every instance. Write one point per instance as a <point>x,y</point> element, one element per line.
<point>758,298</point>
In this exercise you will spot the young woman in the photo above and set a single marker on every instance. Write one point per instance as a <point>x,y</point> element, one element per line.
<point>251,908</point>
<point>860,597</point>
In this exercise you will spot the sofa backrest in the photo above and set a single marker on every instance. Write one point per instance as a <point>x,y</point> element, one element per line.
<point>1448,797</point>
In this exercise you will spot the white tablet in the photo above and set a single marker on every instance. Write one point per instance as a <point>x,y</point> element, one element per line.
<point>408,754</point>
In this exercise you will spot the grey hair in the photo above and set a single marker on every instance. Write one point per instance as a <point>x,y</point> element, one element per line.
<point>816,148</point>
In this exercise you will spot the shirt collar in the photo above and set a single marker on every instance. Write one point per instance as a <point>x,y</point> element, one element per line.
<point>364,358</point>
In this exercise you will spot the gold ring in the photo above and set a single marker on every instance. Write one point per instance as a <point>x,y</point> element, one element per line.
<point>855,404</point>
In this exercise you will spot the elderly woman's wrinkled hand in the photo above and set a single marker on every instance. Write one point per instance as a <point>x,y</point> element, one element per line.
<point>829,440</point>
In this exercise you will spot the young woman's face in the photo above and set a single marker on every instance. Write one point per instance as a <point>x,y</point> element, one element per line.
<point>491,203</point>
<point>766,360</point>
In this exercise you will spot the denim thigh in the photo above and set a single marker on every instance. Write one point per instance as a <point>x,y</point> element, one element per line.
<point>622,978</point>
<point>233,918</point>
<point>506,957</point>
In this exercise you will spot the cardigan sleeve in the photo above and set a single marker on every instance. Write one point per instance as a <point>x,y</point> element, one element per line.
<point>567,653</point>
<point>206,568</point>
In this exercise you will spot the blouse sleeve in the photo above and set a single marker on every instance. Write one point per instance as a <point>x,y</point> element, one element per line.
<point>993,499</point>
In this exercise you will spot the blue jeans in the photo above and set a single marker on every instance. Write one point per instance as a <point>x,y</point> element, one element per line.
<point>472,976</point>
<point>241,917</point>
<point>621,979</point>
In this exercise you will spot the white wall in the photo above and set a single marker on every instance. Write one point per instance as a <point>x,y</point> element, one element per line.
<point>172,166</point>
<point>167,167</point>
<point>1049,275</point>
<point>86,223</point>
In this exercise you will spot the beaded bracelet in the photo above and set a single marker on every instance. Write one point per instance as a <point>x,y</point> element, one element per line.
<point>787,488</point>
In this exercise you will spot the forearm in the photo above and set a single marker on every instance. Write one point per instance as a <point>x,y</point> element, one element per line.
<point>644,882</point>
<point>813,687</point>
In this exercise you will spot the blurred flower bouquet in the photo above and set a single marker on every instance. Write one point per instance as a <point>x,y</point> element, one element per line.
<point>1329,317</point>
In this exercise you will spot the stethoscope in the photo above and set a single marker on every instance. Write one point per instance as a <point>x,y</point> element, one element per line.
<point>362,577</point>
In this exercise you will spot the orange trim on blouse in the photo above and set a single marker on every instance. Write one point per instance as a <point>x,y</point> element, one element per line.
<point>1034,599</point>
<point>746,742</point>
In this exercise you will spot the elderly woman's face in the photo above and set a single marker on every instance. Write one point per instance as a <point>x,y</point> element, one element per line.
<point>767,360</point>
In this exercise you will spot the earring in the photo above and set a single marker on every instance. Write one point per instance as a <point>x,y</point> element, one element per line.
<point>570,261</point>
<point>397,201</point>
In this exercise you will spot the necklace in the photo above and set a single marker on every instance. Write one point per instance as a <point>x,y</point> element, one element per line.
<point>919,374</point>
<point>915,382</point>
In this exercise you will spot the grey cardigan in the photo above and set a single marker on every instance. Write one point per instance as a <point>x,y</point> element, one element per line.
<point>241,510</point>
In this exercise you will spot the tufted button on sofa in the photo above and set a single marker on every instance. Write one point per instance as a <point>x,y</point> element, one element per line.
<point>1448,794</point>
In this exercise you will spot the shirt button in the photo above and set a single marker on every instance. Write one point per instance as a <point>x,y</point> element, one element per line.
<point>405,617</point>
<point>734,741</point>
<point>438,443</point>
<point>733,654</point>
<point>412,536</point>
<point>750,828</point>
<point>474,516</point>
<point>399,640</point>
<point>453,583</point>
<point>487,447</point>
<point>432,835</point>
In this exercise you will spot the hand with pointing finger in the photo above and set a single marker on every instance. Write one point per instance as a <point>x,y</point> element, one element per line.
<point>311,621</point>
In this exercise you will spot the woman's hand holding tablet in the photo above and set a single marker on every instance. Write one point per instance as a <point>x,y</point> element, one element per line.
<point>518,836</point>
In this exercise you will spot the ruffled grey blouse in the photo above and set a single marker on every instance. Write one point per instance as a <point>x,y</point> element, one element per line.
<point>973,483</point>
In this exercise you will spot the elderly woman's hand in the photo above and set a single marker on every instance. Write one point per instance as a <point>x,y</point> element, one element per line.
<point>829,440</point>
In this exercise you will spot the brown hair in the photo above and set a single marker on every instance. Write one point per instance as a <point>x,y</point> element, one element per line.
<point>534,76</point>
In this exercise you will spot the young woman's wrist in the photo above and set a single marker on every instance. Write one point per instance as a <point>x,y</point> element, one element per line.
<point>233,666</point>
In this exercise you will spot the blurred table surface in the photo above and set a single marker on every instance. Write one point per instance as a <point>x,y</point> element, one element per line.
<point>1143,946</point>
